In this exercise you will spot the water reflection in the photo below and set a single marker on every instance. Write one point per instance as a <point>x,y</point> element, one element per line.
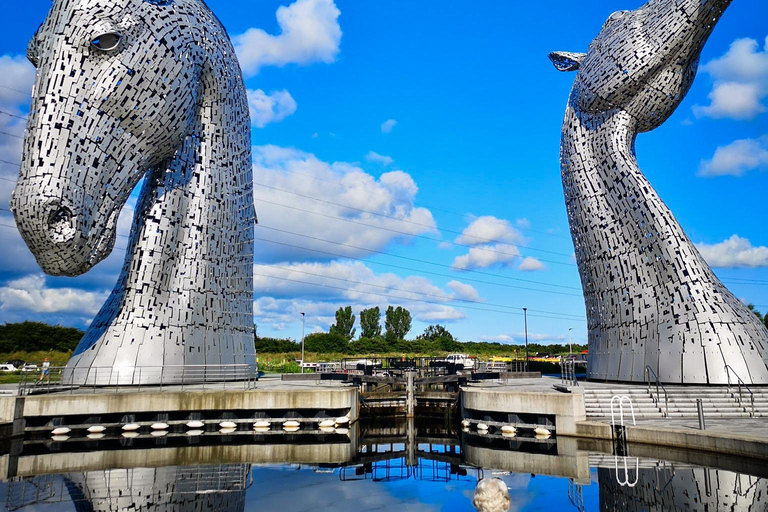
<point>416,465</point>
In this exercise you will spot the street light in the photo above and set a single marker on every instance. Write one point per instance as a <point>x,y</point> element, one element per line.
<point>570,346</point>
<point>302,342</point>
<point>525,314</point>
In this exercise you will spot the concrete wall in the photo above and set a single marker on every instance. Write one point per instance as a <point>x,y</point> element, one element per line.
<point>258,400</point>
<point>568,408</point>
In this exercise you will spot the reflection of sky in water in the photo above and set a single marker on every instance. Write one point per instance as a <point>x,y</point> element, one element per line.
<point>290,488</point>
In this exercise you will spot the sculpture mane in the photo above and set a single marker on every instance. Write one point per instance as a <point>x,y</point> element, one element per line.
<point>651,299</point>
<point>134,89</point>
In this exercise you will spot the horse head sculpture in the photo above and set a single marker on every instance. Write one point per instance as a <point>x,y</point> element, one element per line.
<point>654,306</point>
<point>131,89</point>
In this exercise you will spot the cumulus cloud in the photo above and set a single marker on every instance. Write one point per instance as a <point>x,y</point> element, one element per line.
<point>740,82</point>
<point>531,264</point>
<point>464,291</point>
<point>374,157</point>
<point>489,229</point>
<point>737,158</point>
<point>353,208</point>
<point>485,256</point>
<point>269,108</point>
<point>321,288</point>
<point>386,126</point>
<point>734,252</point>
<point>31,294</point>
<point>309,32</point>
<point>492,240</point>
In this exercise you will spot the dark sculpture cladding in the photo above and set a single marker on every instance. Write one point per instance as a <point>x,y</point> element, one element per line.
<point>652,301</point>
<point>128,89</point>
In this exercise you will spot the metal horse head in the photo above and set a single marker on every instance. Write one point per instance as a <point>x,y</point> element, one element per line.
<point>642,61</point>
<point>116,90</point>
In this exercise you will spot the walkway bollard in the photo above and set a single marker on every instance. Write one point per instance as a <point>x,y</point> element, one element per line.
<point>409,395</point>
<point>700,408</point>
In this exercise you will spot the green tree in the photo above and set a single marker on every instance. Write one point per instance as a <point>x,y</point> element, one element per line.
<point>751,307</point>
<point>345,322</point>
<point>326,342</point>
<point>33,336</point>
<point>434,332</point>
<point>370,323</point>
<point>397,322</point>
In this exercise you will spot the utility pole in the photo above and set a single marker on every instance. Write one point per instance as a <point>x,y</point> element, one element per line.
<point>525,314</point>
<point>303,317</point>
<point>570,345</point>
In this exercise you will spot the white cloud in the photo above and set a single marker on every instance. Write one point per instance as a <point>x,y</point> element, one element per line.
<point>31,294</point>
<point>289,172</point>
<point>384,160</point>
<point>309,32</point>
<point>523,223</point>
<point>324,287</point>
<point>734,252</point>
<point>464,291</point>
<point>518,338</point>
<point>485,256</point>
<point>737,158</point>
<point>531,264</point>
<point>479,233</point>
<point>386,126</point>
<point>269,108</point>
<point>489,229</point>
<point>740,82</point>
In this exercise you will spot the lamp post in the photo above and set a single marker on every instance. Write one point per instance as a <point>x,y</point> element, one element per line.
<point>302,342</point>
<point>570,345</point>
<point>525,314</point>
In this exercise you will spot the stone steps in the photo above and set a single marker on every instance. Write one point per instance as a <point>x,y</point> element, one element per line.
<point>680,402</point>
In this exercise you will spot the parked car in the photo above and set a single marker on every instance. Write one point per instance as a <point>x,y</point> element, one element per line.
<point>30,368</point>
<point>7,367</point>
<point>462,359</point>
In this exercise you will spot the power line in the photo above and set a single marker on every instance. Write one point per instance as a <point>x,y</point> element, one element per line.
<point>11,135</point>
<point>430,226</point>
<point>430,207</point>
<point>15,90</point>
<point>413,269</point>
<point>261,226</point>
<point>446,297</point>
<point>407,298</point>
<point>417,236</point>
<point>13,115</point>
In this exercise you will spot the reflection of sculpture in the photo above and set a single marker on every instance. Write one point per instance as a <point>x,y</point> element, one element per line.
<point>669,488</point>
<point>651,299</point>
<point>167,489</point>
<point>130,89</point>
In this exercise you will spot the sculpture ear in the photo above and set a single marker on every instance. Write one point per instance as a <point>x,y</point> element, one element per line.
<point>567,61</point>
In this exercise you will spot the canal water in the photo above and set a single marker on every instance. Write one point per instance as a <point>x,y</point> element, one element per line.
<point>409,466</point>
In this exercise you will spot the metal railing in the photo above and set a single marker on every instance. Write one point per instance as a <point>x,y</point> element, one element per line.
<point>741,384</point>
<point>568,372</point>
<point>156,378</point>
<point>648,372</point>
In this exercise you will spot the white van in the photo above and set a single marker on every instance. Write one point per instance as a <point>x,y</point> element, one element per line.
<point>462,359</point>
<point>7,368</point>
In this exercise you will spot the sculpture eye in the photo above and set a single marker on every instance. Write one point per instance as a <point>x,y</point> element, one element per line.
<point>107,42</point>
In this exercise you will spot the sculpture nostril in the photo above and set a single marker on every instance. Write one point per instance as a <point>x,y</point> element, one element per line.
<point>61,224</point>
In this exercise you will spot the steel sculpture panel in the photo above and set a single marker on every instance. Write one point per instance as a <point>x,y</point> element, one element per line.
<point>143,89</point>
<point>651,299</point>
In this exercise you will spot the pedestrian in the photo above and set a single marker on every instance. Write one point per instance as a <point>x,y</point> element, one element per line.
<point>46,371</point>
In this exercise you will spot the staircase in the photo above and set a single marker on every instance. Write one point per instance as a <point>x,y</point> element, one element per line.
<point>716,401</point>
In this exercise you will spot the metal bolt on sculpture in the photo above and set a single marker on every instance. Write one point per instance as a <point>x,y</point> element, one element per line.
<point>132,89</point>
<point>651,299</point>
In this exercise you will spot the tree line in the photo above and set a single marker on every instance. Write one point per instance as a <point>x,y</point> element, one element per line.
<point>763,318</point>
<point>397,324</point>
<point>37,336</point>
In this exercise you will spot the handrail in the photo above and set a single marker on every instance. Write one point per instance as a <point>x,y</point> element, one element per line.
<point>568,372</point>
<point>648,372</point>
<point>60,378</point>
<point>740,383</point>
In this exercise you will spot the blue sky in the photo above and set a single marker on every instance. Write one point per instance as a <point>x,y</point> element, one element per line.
<point>439,124</point>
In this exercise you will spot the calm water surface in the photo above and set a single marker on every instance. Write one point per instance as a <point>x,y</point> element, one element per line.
<point>398,466</point>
